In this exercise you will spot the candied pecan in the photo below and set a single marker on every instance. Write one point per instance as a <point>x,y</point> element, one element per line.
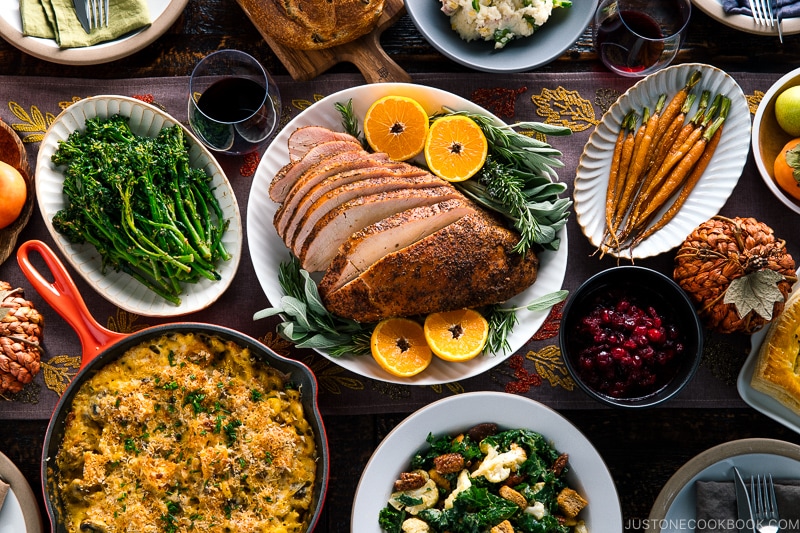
<point>514,479</point>
<point>409,481</point>
<point>449,463</point>
<point>481,431</point>
<point>513,496</point>
<point>560,463</point>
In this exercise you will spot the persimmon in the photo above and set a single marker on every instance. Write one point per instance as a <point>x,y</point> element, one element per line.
<point>13,194</point>
<point>786,169</point>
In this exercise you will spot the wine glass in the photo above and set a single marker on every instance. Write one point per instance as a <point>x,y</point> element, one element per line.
<point>639,37</point>
<point>234,104</point>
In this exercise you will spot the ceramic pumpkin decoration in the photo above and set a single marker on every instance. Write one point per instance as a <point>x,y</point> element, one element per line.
<point>737,273</point>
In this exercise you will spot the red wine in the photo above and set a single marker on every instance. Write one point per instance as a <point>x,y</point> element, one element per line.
<point>232,99</point>
<point>619,45</point>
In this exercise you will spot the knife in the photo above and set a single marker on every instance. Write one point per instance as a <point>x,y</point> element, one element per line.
<point>745,522</point>
<point>82,11</point>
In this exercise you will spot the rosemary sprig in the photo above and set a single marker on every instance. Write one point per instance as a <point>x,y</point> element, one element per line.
<point>503,319</point>
<point>349,120</point>
<point>307,323</point>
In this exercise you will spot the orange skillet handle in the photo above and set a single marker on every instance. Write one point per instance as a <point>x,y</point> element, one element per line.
<point>63,296</point>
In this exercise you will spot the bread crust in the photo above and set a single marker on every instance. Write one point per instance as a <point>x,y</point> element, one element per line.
<point>777,369</point>
<point>319,24</point>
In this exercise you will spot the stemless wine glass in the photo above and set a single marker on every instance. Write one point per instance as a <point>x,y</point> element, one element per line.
<point>234,104</point>
<point>639,37</point>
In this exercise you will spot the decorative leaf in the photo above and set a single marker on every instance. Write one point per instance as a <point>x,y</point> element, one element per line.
<point>757,291</point>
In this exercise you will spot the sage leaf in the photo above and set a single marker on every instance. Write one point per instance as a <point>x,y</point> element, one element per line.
<point>757,291</point>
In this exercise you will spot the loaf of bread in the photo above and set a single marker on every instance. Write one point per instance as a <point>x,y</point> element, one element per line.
<point>318,24</point>
<point>777,369</point>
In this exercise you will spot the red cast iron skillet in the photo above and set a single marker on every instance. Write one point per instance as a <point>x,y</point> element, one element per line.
<point>102,346</point>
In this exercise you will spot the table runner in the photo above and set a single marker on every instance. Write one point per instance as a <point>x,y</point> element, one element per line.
<point>536,370</point>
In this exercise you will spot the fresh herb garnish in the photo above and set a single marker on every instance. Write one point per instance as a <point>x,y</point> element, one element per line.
<point>503,319</point>
<point>306,321</point>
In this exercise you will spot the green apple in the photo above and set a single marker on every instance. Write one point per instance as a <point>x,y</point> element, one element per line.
<point>787,110</point>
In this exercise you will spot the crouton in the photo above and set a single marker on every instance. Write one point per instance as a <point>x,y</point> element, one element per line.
<point>503,527</point>
<point>570,502</point>
<point>513,496</point>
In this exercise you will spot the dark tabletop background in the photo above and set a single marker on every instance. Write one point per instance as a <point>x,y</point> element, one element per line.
<point>642,449</point>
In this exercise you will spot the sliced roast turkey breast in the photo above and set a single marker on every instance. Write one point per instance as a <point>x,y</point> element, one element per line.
<point>288,174</point>
<point>337,169</point>
<point>304,138</point>
<point>374,182</point>
<point>316,250</point>
<point>467,264</point>
<point>391,234</point>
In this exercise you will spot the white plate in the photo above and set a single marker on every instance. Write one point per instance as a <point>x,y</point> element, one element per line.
<point>588,473</point>
<point>675,506</point>
<point>119,288</point>
<point>713,8</point>
<point>20,511</point>
<point>710,193</point>
<point>162,13</point>
<point>560,32</point>
<point>759,401</point>
<point>268,251</point>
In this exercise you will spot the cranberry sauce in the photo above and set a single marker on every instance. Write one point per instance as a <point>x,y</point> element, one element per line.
<point>625,345</point>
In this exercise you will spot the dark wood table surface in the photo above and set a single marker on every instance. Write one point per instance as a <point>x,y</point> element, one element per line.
<point>642,449</point>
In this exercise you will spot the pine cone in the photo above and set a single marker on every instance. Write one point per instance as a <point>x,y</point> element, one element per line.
<point>721,250</point>
<point>20,333</point>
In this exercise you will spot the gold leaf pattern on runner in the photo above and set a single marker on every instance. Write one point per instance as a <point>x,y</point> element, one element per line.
<point>302,104</point>
<point>59,370</point>
<point>454,387</point>
<point>329,375</point>
<point>753,100</point>
<point>605,97</point>
<point>66,103</point>
<point>276,343</point>
<point>392,390</point>
<point>33,125</point>
<point>565,108</point>
<point>550,366</point>
<point>124,322</point>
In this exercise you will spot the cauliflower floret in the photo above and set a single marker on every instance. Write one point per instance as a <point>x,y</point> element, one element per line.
<point>462,484</point>
<point>496,467</point>
<point>415,525</point>
<point>537,510</point>
<point>428,493</point>
<point>581,527</point>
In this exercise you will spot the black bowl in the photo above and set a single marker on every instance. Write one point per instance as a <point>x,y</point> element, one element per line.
<point>623,375</point>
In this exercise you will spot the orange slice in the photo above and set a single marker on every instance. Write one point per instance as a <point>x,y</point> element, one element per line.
<point>397,126</point>
<point>399,347</point>
<point>456,148</point>
<point>456,335</point>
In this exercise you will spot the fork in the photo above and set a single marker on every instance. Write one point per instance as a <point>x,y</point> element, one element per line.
<point>764,15</point>
<point>98,13</point>
<point>765,508</point>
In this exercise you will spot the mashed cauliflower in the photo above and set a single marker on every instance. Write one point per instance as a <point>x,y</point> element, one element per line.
<point>498,20</point>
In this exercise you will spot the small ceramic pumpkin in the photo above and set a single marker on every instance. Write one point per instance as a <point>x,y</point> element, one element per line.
<point>737,273</point>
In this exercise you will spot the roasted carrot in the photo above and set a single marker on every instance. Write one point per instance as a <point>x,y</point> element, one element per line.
<point>614,174</point>
<point>690,183</point>
<point>677,127</point>
<point>676,104</point>
<point>629,185</point>
<point>645,149</point>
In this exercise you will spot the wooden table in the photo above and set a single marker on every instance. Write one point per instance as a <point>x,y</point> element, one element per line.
<point>642,449</point>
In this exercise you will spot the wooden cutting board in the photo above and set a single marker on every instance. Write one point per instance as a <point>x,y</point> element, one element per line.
<point>365,52</point>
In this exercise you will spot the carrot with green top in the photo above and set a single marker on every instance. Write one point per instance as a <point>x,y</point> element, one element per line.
<point>629,185</point>
<point>676,104</point>
<point>616,163</point>
<point>690,183</point>
<point>677,126</point>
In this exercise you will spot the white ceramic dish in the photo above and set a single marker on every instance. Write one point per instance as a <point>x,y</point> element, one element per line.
<point>710,193</point>
<point>119,288</point>
<point>163,14</point>
<point>588,473</point>
<point>268,251</point>
<point>713,8</point>
<point>20,512</point>
<point>768,138</point>
<point>675,506</point>
<point>560,32</point>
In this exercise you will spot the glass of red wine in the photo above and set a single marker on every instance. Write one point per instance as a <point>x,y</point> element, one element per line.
<point>234,104</point>
<point>639,37</point>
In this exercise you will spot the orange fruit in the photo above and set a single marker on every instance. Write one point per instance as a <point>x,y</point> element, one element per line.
<point>399,347</point>
<point>456,148</point>
<point>13,193</point>
<point>456,335</point>
<point>397,126</point>
<point>784,171</point>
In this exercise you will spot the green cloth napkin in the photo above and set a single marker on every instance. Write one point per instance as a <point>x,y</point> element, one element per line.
<point>56,19</point>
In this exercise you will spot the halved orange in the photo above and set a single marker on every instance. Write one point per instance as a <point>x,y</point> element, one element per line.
<point>456,148</point>
<point>456,335</point>
<point>397,126</point>
<point>399,347</point>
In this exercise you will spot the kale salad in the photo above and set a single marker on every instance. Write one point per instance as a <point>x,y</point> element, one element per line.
<point>485,480</point>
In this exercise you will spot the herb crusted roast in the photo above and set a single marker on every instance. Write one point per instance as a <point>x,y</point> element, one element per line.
<point>391,239</point>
